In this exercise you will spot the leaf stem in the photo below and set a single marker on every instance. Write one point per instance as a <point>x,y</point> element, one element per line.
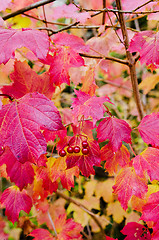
<point>52,223</point>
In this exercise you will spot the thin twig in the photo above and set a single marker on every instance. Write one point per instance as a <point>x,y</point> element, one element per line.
<point>27,8</point>
<point>131,61</point>
<point>52,223</point>
<point>103,18</point>
<point>144,4</point>
<point>95,218</point>
<point>105,58</point>
<point>6,95</point>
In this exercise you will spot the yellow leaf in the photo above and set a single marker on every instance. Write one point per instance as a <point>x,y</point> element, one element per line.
<point>149,83</point>
<point>118,213</point>
<point>104,189</point>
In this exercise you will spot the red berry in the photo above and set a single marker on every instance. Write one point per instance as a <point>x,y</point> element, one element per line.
<point>62,153</point>
<point>85,151</point>
<point>70,149</point>
<point>76,149</point>
<point>84,144</point>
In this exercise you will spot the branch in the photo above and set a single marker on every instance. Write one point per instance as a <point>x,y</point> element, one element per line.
<point>131,61</point>
<point>95,218</point>
<point>25,9</point>
<point>106,58</point>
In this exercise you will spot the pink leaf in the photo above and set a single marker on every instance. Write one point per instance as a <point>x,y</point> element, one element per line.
<point>11,39</point>
<point>129,184</point>
<point>147,161</point>
<point>88,106</point>
<point>70,11</point>
<point>151,208</point>
<point>26,80</point>
<point>149,129</point>
<point>147,44</point>
<point>116,130</point>
<point>4,4</point>
<point>65,39</point>
<point>22,134</point>
<point>41,234</point>
<point>136,231</point>
<point>15,201</point>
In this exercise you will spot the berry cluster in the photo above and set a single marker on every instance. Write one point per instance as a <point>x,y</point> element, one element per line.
<point>75,149</point>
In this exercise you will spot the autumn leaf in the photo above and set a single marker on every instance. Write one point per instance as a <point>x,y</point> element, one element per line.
<point>20,174</point>
<point>146,43</point>
<point>150,211</point>
<point>149,83</point>
<point>86,162</point>
<point>129,184</point>
<point>135,231</point>
<point>75,42</point>
<point>117,212</point>
<point>43,184</point>
<point>88,106</point>
<point>70,11</point>
<point>22,135</point>
<point>116,130</point>
<point>4,4</point>
<point>89,86</point>
<point>67,228</point>
<point>59,169</point>
<point>113,159</point>
<point>109,238</point>
<point>25,80</point>
<point>41,234</point>
<point>14,201</point>
<point>149,129</point>
<point>63,58</point>
<point>11,39</point>
<point>147,161</point>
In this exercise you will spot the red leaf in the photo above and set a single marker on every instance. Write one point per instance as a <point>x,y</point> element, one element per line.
<point>44,174</point>
<point>26,80</point>
<point>109,238</point>
<point>59,170</point>
<point>147,44</point>
<point>11,39</point>
<point>22,134</point>
<point>149,129</point>
<point>41,234</point>
<point>60,62</point>
<point>86,162</point>
<point>136,231</point>
<point>20,174</point>
<point>113,159</point>
<point>88,106</point>
<point>147,161</point>
<point>129,184</point>
<point>65,39</point>
<point>67,229</point>
<point>151,208</point>
<point>116,130</point>
<point>14,200</point>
